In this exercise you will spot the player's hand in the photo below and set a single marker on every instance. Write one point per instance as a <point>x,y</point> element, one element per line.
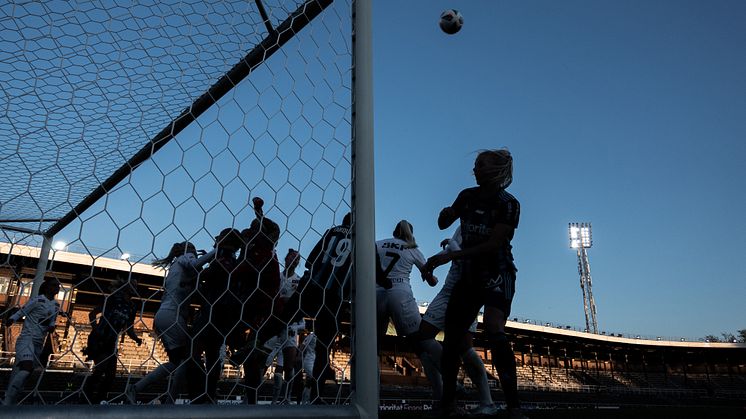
<point>431,279</point>
<point>139,342</point>
<point>258,203</point>
<point>437,260</point>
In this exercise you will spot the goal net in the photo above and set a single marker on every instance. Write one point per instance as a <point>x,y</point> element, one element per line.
<point>177,210</point>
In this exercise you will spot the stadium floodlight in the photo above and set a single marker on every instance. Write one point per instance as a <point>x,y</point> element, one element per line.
<point>59,245</point>
<point>580,235</point>
<point>581,240</point>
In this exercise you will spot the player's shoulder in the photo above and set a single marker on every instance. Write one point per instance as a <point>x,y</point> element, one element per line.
<point>506,196</point>
<point>468,192</point>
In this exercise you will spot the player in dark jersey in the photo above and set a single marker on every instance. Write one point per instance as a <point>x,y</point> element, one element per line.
<point>324,291</point>
<point>219,312</point>
<point>489,216</point>
<point>117,315</point>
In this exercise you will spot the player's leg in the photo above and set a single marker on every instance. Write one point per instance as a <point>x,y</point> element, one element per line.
<point>474,368</point>
<point>463,307</point>
<point>497,309</point>
<point>406,317</point>
<point>287,370</point>
<point>277,382</point>
<point>174,340</point>
<point>309,360</point>
<point>18,377</point>
<point>326,328</point>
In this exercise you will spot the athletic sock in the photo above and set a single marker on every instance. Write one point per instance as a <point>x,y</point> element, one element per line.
<point>475,370</point>
<point>504,361</point>
<point>430,352</point>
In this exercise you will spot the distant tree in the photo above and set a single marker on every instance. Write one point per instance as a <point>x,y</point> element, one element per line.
<point>728,337</point>
<point>742,335</point>
<point>712,338</point>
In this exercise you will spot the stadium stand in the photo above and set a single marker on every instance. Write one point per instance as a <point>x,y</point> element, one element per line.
<point>556,366</point>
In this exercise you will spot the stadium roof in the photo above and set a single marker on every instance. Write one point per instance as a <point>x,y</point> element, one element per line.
<point>88,94</point>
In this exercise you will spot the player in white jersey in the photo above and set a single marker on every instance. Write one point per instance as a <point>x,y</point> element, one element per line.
<point>40,319</point>
<point>395,300</point>
<point>170,321</point>
<point>284,346</point>
<point>433,321</point>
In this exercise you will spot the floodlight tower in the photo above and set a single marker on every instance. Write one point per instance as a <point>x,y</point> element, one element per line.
<point>580,239</point>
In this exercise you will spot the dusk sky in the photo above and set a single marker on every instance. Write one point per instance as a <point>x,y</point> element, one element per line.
<point>630,115</point>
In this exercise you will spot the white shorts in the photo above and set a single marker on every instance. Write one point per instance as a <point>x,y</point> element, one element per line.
<point>436,310</point>
<point>399,305</point>
<point>29,349</point>
<point>171,329</point>
<point>287,339</point>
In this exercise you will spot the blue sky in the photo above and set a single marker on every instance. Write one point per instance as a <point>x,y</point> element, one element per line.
<point>630,115</point>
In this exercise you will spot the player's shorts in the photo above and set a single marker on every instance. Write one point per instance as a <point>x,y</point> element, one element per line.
<point>436,310</point>
<point>288,338</point>
<point>29,349</point>
<point>398,304</point>
<point>499,291</point>
<point>171,329</point>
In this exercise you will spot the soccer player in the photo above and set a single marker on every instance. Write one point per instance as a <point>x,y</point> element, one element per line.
<point>433,321</point>
<point>284,346</point>
<point>397,255</point>
<point>219,313</point>
<point>325,290</point>
<point>117,316</point>
<point>259,276</point>
<point>40,319</point>
<point>170,321</point>
<point>488,217</point>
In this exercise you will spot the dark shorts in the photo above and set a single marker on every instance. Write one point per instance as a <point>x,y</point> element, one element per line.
<point>498,290</point>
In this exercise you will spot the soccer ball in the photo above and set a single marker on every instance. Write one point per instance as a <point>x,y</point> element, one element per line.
<point>451,21</point>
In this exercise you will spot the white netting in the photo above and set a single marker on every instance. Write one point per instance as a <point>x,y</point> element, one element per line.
<point>125,129</point>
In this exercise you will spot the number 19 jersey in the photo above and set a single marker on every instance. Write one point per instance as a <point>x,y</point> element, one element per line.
<point>329,261</point>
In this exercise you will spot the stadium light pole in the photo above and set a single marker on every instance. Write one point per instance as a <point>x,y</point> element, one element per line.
<point>581,240</point>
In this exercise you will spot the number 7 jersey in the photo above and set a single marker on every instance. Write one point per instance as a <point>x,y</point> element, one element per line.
<point>397,259</point>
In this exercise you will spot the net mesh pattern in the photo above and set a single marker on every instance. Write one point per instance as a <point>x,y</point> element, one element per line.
<point>88,85</point>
